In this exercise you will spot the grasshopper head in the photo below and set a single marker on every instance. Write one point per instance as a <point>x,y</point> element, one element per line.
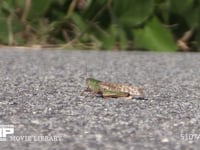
<point>92,84</point>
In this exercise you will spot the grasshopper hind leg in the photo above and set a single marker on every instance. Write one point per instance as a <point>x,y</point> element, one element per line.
<point>111,94</point>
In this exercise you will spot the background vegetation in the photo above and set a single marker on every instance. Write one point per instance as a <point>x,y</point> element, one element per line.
<point>154,25</point>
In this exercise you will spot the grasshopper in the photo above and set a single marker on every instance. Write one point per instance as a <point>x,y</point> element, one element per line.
<point>105,89</point>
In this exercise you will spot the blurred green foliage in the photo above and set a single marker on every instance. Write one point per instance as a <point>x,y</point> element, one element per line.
<point>155,25</point>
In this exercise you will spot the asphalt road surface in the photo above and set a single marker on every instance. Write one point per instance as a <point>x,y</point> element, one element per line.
<point>40,98</point>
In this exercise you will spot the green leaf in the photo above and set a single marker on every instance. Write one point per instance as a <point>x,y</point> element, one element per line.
<point>133,12</point>
<point>198,40</point>
<point>181,7</point>
<point>79,21</point>
<point>38,8</point>
<point>3,30</point>
<point>155,37</point>
<point>107,38</point>
<point>122,39</point>
<point>198,32</point>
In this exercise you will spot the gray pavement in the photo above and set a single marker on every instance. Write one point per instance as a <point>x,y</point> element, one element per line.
<point>40,96</point>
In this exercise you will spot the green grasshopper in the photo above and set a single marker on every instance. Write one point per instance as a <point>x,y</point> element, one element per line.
<point>113,90</point>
